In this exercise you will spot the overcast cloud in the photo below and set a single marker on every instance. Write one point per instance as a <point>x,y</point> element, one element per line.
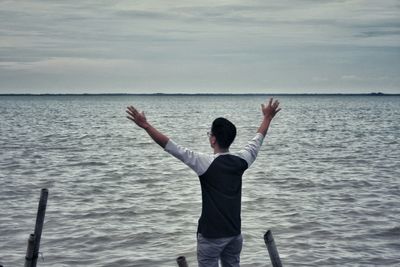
<point>200,46</point>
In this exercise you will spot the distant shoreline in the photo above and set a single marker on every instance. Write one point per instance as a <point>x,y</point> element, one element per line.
<point>203,94</point>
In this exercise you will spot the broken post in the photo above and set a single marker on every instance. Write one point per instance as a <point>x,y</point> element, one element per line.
<point>181,260</point>
<point>29,251</point>
<point>272,250</point>
<point>33,249</point>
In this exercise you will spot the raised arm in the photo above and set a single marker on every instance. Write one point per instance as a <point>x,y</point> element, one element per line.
<point>140,119</point>
<point>250,151</point>
<point>269,111</point>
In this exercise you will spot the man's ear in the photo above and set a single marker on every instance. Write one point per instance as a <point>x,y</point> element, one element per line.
<point>213,140</point>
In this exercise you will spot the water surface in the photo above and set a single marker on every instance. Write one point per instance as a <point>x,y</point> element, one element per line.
<point>326,181</point>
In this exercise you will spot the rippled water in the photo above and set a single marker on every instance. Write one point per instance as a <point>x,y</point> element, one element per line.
<point>326,182</point>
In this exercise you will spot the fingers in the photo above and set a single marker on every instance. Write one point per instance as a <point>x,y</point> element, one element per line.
<point>271,103</point>
<point>272,107</point>
<point>133,114</point>
<point>275,104</point>
<point>130,114</point>
<point>131,118</point>
<point>133,110</point>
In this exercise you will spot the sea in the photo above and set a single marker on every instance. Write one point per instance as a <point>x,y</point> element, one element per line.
<point>326,181</point>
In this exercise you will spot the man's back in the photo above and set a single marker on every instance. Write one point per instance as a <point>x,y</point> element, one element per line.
<point>221,187</point>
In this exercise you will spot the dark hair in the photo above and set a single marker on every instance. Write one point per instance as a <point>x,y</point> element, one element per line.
<point>224,131</point>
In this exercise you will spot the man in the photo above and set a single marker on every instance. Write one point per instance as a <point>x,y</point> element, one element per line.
<point>219,228</point>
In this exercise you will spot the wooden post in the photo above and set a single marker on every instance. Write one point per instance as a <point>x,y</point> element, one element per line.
<point>272,250</point>
<point>39,225</point>
<point>29,251</point>
<point>181,260</point>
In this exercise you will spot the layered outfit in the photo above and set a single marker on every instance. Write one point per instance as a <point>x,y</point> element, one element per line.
<point>219,226</point>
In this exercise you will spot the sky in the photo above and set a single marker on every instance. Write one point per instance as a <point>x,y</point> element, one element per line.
<point>159,46</point>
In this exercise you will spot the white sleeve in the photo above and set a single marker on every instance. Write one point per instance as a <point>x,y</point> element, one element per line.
<point>199,162</point>
<point>250,151</point>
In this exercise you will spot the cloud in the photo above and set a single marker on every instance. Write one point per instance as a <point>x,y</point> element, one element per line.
<point>181,44</point>
<point>69,65</point>
<point>351,78</point>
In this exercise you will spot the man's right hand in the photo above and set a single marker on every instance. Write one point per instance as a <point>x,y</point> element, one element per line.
<point>269,111</point>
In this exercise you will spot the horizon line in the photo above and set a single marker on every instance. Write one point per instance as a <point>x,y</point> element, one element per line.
<point>200,94</point>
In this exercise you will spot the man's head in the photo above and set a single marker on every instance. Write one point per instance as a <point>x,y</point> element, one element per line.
<point>224,132</point>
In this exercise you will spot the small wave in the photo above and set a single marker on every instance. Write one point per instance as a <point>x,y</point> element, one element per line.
<point>86,164</point>
<point>85,136</point>
<point>392,232</point>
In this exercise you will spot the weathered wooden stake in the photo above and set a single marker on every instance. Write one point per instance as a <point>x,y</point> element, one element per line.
<point>181,260</point>
<point>29,251</point>
<point>38,230</point>
<point>272,250</point>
